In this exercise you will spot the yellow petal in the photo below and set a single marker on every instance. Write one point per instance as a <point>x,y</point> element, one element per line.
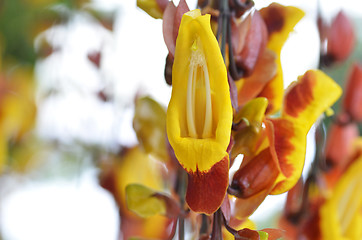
<point>280,21</point>
<point>199,114</point>
<point>304,101</point>
<point>254,110</point>
<point>3,151</point>
<point>136,167</point>
<point>18,104</point>
<point>341,215</point>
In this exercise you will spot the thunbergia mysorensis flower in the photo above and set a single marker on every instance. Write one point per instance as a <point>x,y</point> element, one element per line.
<point>340,215</point>
<point>199,114</point>
<point>280,21</point>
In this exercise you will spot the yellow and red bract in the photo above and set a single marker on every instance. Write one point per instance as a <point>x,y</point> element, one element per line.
<point>199,114</point>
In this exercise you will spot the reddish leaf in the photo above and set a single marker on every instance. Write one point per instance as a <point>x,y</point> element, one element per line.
<point>239,31</point>
<point>255,43</point>
<point>171,22</point>
<point>180,10</point>
<point>162,4</point>
<point>225,208</point>
<point>167,27</point>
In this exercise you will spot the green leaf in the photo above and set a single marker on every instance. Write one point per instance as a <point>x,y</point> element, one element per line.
<point>263,235</point>
<point>142,201</point>
<point>149,123</point>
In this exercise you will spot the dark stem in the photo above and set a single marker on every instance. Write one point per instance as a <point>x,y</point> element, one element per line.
<point>319,159</point>
<point>204,225</point>
<point>224,15</point>
<point>216,226</point>
<point>235,73</point>
<point>182,176</point>
<point>230,229</point>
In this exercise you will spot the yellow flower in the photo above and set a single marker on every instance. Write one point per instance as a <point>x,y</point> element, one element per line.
<point>199,114</point>
<point>341,215</point>
<point>280,22</point>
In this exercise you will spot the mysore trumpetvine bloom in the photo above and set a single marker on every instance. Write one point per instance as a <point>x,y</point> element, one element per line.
<point>199,114</point>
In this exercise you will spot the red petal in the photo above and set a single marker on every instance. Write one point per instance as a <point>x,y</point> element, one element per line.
<point>352,101</point>
<point>283,132</point>
<point>274,17</point>
<point>206,190</point>
<point>258,174</point>
<point>300,96</point>
<point>247,234</point>
<point>339,144</point>
<point>265,70</point>
<point>341,38</point>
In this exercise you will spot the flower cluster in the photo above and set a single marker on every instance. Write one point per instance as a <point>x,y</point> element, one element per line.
<point>227,101</point>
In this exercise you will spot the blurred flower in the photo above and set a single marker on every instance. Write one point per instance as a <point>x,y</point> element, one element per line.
<point>17,108</point>
<point>154,8</point>
<point>118,172</point>
<point>341,214</point>
<point>337,40</point>
<point>149,123</point>
<point>353,97</point>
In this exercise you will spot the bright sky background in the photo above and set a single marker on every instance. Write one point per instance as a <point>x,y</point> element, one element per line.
<point>133,61</point>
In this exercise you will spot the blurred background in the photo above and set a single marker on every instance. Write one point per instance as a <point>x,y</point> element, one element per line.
<point>69,74</point>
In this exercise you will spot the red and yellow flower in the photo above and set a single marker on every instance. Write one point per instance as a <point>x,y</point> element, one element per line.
<point>199,114</point>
